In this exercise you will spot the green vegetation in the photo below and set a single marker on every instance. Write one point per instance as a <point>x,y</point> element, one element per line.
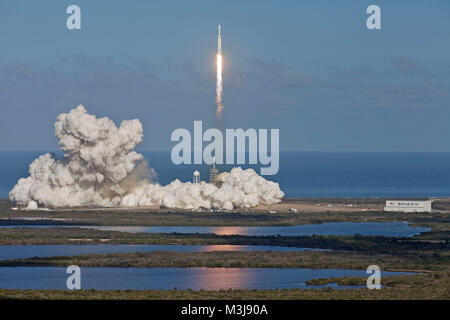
<point>344,281</point>
<point>387,282</point>
<point>375,244</point>
<point>246,259</point>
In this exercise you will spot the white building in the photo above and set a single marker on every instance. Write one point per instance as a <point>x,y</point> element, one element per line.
<point>408,206</point>
<point>196,177</point>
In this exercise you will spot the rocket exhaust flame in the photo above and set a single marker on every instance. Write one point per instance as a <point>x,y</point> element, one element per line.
<point>219,87</point>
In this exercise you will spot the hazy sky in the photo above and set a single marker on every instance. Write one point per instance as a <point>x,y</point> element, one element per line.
<point>310,68</point>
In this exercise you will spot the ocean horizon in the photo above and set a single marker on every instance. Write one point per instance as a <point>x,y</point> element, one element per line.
<point>302,174</point>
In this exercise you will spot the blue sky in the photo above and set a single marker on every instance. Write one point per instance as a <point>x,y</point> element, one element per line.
<point>310,68</point>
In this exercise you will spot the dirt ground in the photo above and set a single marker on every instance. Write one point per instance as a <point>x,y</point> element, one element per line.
<point>324,206</point>
<point>287,205</point>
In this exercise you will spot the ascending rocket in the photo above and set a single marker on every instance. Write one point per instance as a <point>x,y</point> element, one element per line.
<point>219,42</point>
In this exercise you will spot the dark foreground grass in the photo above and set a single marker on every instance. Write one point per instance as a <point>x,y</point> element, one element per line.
<point>418,287</point>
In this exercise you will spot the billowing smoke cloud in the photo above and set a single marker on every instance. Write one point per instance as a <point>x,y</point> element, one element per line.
<point>100,168</point>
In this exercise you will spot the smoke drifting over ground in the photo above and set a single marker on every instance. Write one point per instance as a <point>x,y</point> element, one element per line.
<point>100,168</point>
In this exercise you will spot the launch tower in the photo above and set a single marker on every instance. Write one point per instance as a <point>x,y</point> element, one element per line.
<point>213,173</point>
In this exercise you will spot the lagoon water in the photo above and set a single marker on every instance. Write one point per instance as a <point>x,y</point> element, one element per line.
<point>28,251</point>
<point>388,229</point>
<point>303,174</point>
<point>169,278</point>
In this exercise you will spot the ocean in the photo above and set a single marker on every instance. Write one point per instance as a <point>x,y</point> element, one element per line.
<point>302,174</point>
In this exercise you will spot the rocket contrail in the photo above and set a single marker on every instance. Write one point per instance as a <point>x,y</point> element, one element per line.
<point>219,88</point>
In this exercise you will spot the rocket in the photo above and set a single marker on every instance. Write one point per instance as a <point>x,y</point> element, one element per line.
<point>219,42</point>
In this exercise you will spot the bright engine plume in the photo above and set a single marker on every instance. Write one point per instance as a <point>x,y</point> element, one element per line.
<point>219,88</point>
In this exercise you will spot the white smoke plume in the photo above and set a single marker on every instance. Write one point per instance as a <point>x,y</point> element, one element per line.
<point>100,168</point>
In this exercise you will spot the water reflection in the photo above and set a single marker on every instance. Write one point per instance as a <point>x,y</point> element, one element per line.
<point>169,278</point>
<point>388,229</point>
<point>222,278</point>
